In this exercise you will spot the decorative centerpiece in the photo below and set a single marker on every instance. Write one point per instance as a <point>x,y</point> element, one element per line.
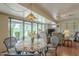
<point>32,35</point>
<point>17,34</point>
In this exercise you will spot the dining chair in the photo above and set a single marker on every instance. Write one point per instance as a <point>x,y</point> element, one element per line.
<point>54,44</point>
<point>10,45</point>
<point>44,51</point>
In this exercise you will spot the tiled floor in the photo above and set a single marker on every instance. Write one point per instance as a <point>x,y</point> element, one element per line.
<point>67,51</point>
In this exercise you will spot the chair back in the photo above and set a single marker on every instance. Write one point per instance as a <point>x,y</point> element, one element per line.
<point>10,42</point>
<point>55,41</point>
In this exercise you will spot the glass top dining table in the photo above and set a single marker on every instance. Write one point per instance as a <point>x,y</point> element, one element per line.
<point>25,45</point>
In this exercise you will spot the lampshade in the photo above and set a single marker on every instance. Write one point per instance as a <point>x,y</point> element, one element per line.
<point>31,17</point>
<point>66,33</point>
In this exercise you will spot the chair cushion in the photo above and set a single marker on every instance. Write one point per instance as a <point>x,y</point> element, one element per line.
<point>52,48</point>
<point>10,42</point>
<point>12,51</point>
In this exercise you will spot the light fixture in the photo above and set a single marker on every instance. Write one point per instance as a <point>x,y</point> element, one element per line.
<point>31,16</point>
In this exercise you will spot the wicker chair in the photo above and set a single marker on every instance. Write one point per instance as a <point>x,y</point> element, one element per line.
<point>10,45</point>
<point>54,44</point>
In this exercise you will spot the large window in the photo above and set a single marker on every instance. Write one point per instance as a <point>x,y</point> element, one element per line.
<point>20,29</point>
<point>16,28</point>
<point>27,29</point>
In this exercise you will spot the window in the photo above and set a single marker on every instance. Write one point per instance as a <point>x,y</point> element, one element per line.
<point>35,27</point>
<point>27,29</point>
<point>43,27</point>
<point>22,29</point>
<point>16,29</point>
<point>39,27</point>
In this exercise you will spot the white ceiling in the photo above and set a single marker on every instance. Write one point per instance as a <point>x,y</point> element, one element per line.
<point>57,11</point>
<point>16,10</point>
<point>13,9</point>
<point>62,11</point>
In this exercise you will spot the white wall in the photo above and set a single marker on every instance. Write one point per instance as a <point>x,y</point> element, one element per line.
<point>71,25</point>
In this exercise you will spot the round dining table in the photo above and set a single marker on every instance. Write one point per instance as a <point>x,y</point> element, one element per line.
<point>39,45</point>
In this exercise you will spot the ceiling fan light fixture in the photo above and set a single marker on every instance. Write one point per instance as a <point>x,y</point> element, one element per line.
<point>31,17</point>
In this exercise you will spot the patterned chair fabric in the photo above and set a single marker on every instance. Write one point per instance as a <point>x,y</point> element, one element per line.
<point>10,45</point>
<point>54,44</point>
<point>10,42</point>
<point>55,41</point>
